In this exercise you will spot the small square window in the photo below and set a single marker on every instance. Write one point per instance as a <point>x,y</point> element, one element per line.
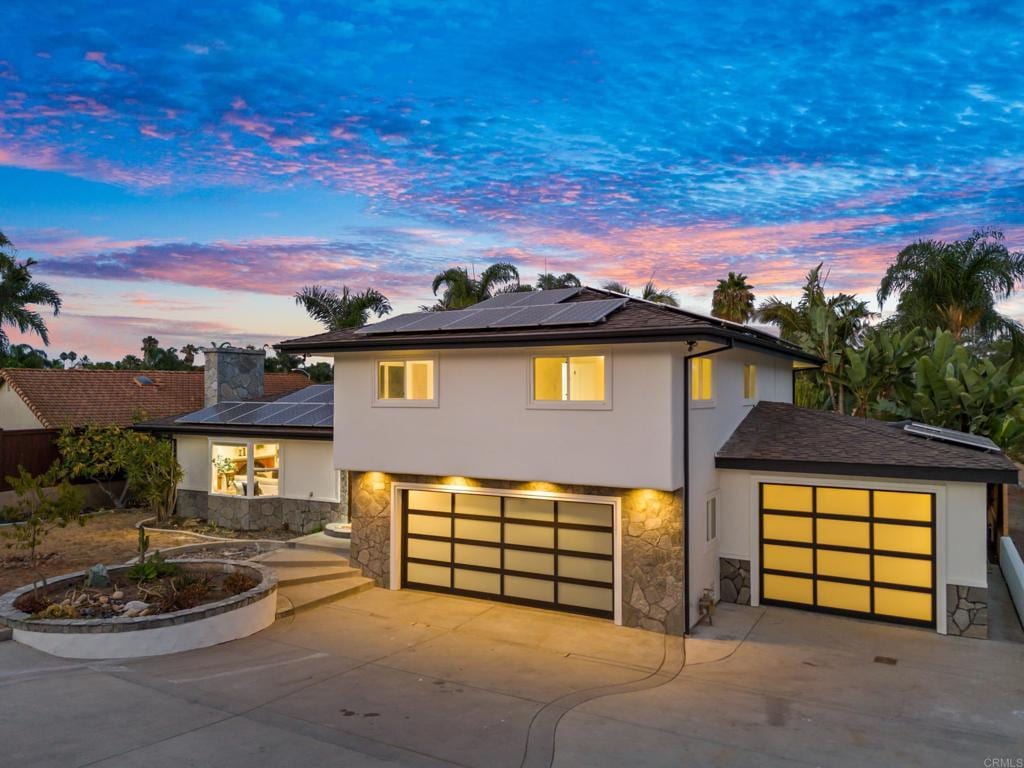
<point>701,379</point>
<point>399,380</point>
<point>712,518</point>
<point>749,382</point>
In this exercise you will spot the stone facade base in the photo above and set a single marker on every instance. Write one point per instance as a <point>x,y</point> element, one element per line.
<point>243,514</point>
<point>966,611</point>
<point>652,540</point>
<point>734,581</point>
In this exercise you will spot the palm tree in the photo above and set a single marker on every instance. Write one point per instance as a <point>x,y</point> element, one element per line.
<point>68,357</point>
<point>733,298</point>
<point>650,292</point>
<point>19,293</point>
<point>955,286</point>
<point>345,310</point>
<point>189,354</point>
<point>25,356</point>
<point>462,290</point>
<point>547,281</point>
<point>150,349</point>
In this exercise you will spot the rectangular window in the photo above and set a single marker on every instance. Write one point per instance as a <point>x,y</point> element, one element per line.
<point>749,382</point>
<point>701,379</point>
<point>405,380</point>
<point>569,379</point>
<point>245,469</point>
<point>711,510</point>
<point>230,469</point>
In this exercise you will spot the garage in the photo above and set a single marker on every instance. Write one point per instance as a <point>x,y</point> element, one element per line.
<point>856,551</point>
<point>548,552</point>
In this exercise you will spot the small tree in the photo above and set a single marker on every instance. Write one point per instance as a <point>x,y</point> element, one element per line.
<point>99,454</point>
<point>44,502</point>
<point>153,474</point>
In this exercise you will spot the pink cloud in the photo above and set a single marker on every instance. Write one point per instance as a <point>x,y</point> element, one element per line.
<point>100,58</point>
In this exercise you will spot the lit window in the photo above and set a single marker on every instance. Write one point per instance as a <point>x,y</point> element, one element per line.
<point>712,518</point>
<point>701,379</point>
<point>569,379</point>
<point>405,380</point>
<point>230,469</point>
<point>245,469</point>
<point>749,382</point>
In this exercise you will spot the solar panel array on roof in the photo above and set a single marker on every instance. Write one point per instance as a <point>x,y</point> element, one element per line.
<point>528,298</point>
<point>390,325</point>
<point>585,312</point>
<point>314,393</point>
<point>951,436</point>
<point>309,407</point>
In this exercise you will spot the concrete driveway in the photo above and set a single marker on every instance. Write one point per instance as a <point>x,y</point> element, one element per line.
<point>416,679</point>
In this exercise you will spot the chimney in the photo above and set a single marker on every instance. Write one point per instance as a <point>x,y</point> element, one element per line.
<point>230,373</point>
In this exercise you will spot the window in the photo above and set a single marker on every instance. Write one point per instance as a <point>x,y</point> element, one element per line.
<point>701,379</point>
<point>569,379</point>
<point>405,380</point>
<point>749,382</point>
<point>245,469</point>
<point>711,509</point>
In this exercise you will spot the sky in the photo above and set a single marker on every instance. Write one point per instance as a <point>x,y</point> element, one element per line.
<point>180,169</point>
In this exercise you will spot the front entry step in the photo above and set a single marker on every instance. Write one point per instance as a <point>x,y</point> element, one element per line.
<point>299,597</point>
<point>288,574</point>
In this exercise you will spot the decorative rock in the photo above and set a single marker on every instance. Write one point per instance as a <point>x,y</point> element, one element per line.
<point>119,595</point>
<point>136,605</point>
<point>97,577</point>
<point>104,599</point>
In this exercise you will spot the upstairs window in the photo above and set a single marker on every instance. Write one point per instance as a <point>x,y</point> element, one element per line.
<point>570,379</point>
<point>405,380</point>
<point>702,380</point>
<point>749,382</point>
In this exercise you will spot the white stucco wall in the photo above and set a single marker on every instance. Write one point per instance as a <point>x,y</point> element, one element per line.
<point>710,426</point>
<point>307,466</point>
<point>482,426</point>
<point>960,556</point>
<point>14,412</point>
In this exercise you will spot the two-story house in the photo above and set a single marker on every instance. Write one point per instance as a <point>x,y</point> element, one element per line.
<point>588,452</point>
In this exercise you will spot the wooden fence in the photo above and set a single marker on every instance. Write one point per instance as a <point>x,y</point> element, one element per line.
<point>33,449</point>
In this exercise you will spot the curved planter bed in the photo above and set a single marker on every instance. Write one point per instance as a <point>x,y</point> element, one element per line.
<point>119,638</point>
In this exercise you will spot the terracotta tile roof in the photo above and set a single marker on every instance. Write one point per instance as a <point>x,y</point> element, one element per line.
<point>78,397</point>
<point>636,319</point>
<point>785,438</point>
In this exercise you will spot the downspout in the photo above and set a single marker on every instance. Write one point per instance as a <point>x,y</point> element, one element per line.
<point>687,560</point>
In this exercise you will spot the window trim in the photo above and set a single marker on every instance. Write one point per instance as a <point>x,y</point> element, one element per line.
<point>703,403</point>
<point>378,402</point>
<point>250,464</point>
<point>570,405</point>
<point>749,400</point>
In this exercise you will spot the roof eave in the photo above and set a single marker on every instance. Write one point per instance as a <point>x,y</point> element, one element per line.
<point>302,433</point>
<point>864,469</point>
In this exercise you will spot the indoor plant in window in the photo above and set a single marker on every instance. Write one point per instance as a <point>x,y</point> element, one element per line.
<point>225,467</point>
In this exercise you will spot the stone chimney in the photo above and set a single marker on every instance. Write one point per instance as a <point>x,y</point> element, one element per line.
<point>230,373</point>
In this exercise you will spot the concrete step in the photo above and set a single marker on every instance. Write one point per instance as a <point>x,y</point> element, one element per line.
<point>302,556</point>
<point>321,542</point>
<point>307,574</point>
<point>299,597</point>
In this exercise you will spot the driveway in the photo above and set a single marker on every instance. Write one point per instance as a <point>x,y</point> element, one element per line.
<point>411,678</point>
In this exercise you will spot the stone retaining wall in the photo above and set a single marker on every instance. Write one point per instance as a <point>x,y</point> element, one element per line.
<point>966,611</point>
<point>734,581</point>
<point>652,540</point>
<point>258,513</point>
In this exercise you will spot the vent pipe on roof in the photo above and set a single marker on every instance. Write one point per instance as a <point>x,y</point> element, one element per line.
<point>232,374</point>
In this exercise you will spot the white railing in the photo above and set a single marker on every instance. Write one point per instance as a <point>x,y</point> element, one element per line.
<point>1013,571</point>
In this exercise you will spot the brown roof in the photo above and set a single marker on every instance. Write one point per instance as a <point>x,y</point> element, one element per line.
<point>78,397</point>
<point>785,438</point>
<point>636,320</point>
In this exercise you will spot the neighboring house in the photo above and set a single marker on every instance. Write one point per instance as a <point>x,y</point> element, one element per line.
<point>254,458</point>
<point>582,451</point>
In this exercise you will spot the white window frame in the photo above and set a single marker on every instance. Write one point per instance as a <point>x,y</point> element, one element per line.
<point>570,405</point>
<point>249,444</point>
<point>377,402</point>
<point>711,402</point>
<point>710,542</point>
<point>757,384</point>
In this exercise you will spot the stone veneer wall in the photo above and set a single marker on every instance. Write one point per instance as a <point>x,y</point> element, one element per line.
<point>652,540</point>
<point>734,581</point>
<point>966,611</point>
<point>243,514</point>
<point>230,373</point>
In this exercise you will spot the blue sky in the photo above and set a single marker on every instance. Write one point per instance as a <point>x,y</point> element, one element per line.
<point>181,169</point>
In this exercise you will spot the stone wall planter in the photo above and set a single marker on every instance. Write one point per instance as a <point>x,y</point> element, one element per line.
<point>119,638</point>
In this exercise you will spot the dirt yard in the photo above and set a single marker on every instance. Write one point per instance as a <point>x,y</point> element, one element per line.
<point>105,538</point>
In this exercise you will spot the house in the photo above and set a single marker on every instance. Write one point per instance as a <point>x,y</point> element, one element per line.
<point>254,457</point>
<point>583,451</point>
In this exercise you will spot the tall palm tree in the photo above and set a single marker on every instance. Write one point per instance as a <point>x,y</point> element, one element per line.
<point>344,310</point>
<point>733,298</point>
<point>19,293</point>
<point>547,281</point>
<point>955,286</point>
<point>462,290</point>
<point>150,350</point>
<point>650,292</point>
<point>189,354</point>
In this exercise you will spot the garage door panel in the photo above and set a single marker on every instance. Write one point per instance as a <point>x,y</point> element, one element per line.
<point>864,551</point>
<point>477,530</point>
<point>587,568</point>
<point>530,535</point>
<point>428,549</point>
<point>429,525</point>
<point>430,501</point>
<point>585,541</point>
<point>435,575</point>
<point>477,504</point>
<point>478,581</point>
<point>597,598</point>
<point>530,589</point>
<point>530,509</point>
<point>580,513</point>
<point>532,562</point>
<point>472,554</point>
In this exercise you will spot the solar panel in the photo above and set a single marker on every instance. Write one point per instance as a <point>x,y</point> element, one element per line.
<point>528,316</point>
<point>275,414</point>
<point>314,393</point>
<point>478,318</point>
<point>326,422</point>
<point>311,416</point>
<point>502,300</point>
<point>553,296</point>
<point>229,414</point>
<point>585,312</point>
<point>197,416</point>
<point>390,325</point>
<point>427,321</point>
<point>951,436</point>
